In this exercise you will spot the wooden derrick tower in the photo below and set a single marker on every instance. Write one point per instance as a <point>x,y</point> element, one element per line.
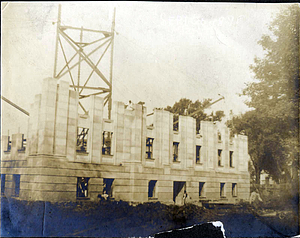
<point>79,55</point>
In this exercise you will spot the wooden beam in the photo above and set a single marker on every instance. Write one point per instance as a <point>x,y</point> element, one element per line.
<point>57,37</point>
<point>96,66</point>
<point>78,74</point>
<point>93,88</point>
<point>106,98</point>
<point>85,96</point>
<point>14,105</point>
<point>201,109</point>
<point>82,107</point>
<point>84,57</point>
<point>84,29</point>
<point>58,75</point>
<point>65,57</point>
<point>95,41</point>
<point>111,63</point>
<point>149,114</point>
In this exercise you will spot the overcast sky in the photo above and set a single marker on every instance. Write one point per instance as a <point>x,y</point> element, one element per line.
<point>163,51</point>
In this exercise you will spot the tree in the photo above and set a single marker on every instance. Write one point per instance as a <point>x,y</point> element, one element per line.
<point>263,145</point>
<point>272,125</point>
<point>217,116</point>
<point>186,107</point>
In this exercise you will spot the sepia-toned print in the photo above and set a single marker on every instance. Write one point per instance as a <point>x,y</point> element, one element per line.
<point>147,119</point>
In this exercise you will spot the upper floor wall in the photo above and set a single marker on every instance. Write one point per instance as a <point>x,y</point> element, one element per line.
<point>56,129</point>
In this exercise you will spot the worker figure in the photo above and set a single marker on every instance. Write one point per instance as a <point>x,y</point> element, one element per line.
<point>185,195</point>
<point>83,185</point>
<point>104,195</point>
<point>255,199</point>
<point>129,106</point>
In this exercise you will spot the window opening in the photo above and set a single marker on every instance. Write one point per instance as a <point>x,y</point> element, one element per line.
<point>219,136</point>
<point>222,189</point>
<point>108,186</point>
<point>219,157</point>
<point>82,187</point>
<point>175,151</point>
<point>178,191</point>
<point>8,149</point>
<point>16,185</point>
<point>231,159</point>
<point>149,147</point>
<point>234,189</point>
<point>82,135</point>
<point>198,154</point>
<point>23,147</point>
<point>152,188</point>
<point>175,122</point>
<point>201,189</point>
<point>2,184</point>
<point>107,141</point>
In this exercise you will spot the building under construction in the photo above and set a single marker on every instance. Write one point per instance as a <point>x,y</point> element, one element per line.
<point>70,156</point>
<point>73,152</point>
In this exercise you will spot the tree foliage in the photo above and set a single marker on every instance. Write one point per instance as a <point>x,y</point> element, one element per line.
<point>186,107</point>
<point>272,125</point>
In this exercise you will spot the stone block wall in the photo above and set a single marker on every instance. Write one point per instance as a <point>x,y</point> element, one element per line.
<point>50,166</point>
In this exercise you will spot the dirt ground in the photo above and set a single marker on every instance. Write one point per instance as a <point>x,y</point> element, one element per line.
<point>119,219</point>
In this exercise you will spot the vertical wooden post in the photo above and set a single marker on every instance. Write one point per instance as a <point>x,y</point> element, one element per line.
<point>57,38</point>
<point>111,63</point>
<point>78,80</point>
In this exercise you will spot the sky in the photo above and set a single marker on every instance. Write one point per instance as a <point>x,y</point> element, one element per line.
<point>162,51</point>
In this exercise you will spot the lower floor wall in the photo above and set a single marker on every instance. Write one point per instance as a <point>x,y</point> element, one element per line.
<point>43,178</point>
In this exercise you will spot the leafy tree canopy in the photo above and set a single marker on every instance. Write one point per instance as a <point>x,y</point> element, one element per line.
<point>272,126</point>
<point>186,107</point>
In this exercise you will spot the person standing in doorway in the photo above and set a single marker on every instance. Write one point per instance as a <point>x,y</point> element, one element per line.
<point>185,195</point>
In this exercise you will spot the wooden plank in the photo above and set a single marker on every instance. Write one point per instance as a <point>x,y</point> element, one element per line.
<point>93,88</point>
<point>96,66</point>
<point>84,29</point>
<point>85,57</point>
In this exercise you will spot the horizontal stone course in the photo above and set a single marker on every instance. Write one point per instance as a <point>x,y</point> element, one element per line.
<point>52,169</point>
<point>48,187</point>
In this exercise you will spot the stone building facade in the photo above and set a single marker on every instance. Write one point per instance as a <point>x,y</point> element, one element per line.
<point>69,156</point>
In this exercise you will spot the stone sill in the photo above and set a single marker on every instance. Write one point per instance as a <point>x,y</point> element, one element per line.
<point>176,161</point>
<point>199,163</point>
<point>150,127</point>
<point>12,160</point>
<point>151,159</point>
<point>152,199</point>
<point>109,156</point>
<point>107,120</point>
<point>85,116</point>
<point>82,153</point>
<point>219,141</point>
<point>176,132</point>
<point>6,152</point>
<point>83,199</point>
<point>221,166</point>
